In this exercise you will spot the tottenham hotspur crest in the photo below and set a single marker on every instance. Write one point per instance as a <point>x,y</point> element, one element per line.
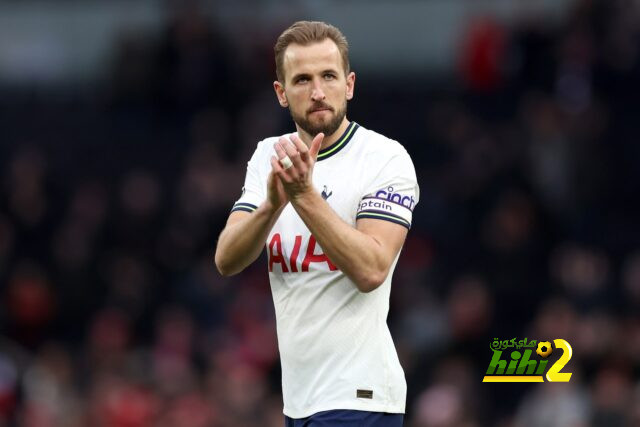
<point>325,194</point>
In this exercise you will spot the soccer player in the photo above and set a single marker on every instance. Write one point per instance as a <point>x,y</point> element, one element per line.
<point>333,201</point>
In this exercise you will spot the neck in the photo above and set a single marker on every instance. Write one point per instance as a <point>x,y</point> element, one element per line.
<point>328,139</point>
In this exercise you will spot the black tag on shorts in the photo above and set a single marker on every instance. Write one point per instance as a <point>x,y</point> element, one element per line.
<point>364,394</point>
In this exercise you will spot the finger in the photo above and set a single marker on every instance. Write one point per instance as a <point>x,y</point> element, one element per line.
<point>271,178</point>
<point>279,151</point>
<point>277,169</point>
<point>315,145</point>
<point>271,181</point>
<point>288,164</point>
<point>300,146</point>
<point>289,148</point>
<point>293,153</point>
<point>275,165</point>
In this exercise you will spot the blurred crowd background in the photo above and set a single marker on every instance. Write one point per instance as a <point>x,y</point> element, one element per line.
<point>114,186</point>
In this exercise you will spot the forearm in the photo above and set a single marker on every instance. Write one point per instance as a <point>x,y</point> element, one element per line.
<point>357,254</point>
<point>241,242</point>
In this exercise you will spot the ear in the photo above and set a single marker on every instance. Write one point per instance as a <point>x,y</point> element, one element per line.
<point>282,98</point>
<point>351,83</point>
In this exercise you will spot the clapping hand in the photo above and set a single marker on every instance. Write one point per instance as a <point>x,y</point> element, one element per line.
<point>294,164</point>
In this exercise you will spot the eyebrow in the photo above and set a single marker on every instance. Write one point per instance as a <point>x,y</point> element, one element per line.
<point>328,70</point>
<point>299,75</point>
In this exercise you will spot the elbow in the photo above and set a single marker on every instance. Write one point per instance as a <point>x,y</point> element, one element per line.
<point>224,271</point>
<point>371,281</point>
<point>223,267</point>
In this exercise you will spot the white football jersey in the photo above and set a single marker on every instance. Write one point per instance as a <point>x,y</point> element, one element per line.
<point>335,347</point>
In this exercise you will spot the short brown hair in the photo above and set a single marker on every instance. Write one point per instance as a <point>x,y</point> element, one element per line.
<point>305,33</point>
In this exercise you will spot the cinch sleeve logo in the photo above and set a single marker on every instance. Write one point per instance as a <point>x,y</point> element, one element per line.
<point>388,205</point>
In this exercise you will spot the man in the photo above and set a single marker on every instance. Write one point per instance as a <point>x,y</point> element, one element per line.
<point>333,202</point>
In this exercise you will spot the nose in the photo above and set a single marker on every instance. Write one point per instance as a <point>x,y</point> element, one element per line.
<point>317,94</point>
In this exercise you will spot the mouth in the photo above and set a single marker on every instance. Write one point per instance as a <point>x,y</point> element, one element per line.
<point>319,110</point>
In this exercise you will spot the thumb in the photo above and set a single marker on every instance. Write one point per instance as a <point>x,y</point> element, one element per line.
<point>315,145</point>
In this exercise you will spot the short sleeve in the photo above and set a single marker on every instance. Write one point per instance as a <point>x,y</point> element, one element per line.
<point>253,191</point>
<point>393,194</point>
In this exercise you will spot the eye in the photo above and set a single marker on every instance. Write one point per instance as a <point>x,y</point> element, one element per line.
<point>302,79</point>
<point>329,76</point>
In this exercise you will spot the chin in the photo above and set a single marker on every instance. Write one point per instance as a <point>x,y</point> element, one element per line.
<point>321,123</point>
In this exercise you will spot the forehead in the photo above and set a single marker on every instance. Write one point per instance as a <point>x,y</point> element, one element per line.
<point>318,56</point>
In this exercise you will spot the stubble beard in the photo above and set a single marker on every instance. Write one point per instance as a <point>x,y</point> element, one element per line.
<point>327,128</point>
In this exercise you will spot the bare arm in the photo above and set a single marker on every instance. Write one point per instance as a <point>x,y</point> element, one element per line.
<point>364,253</point>
<point>244,236</point>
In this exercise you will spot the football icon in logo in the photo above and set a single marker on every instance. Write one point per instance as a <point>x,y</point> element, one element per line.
<point>544,349</point>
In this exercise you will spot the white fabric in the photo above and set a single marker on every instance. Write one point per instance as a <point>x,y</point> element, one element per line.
<point>333,339</point>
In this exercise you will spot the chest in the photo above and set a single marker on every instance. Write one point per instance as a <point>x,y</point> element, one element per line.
<point>290,245</point>
<point>340,185</point>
